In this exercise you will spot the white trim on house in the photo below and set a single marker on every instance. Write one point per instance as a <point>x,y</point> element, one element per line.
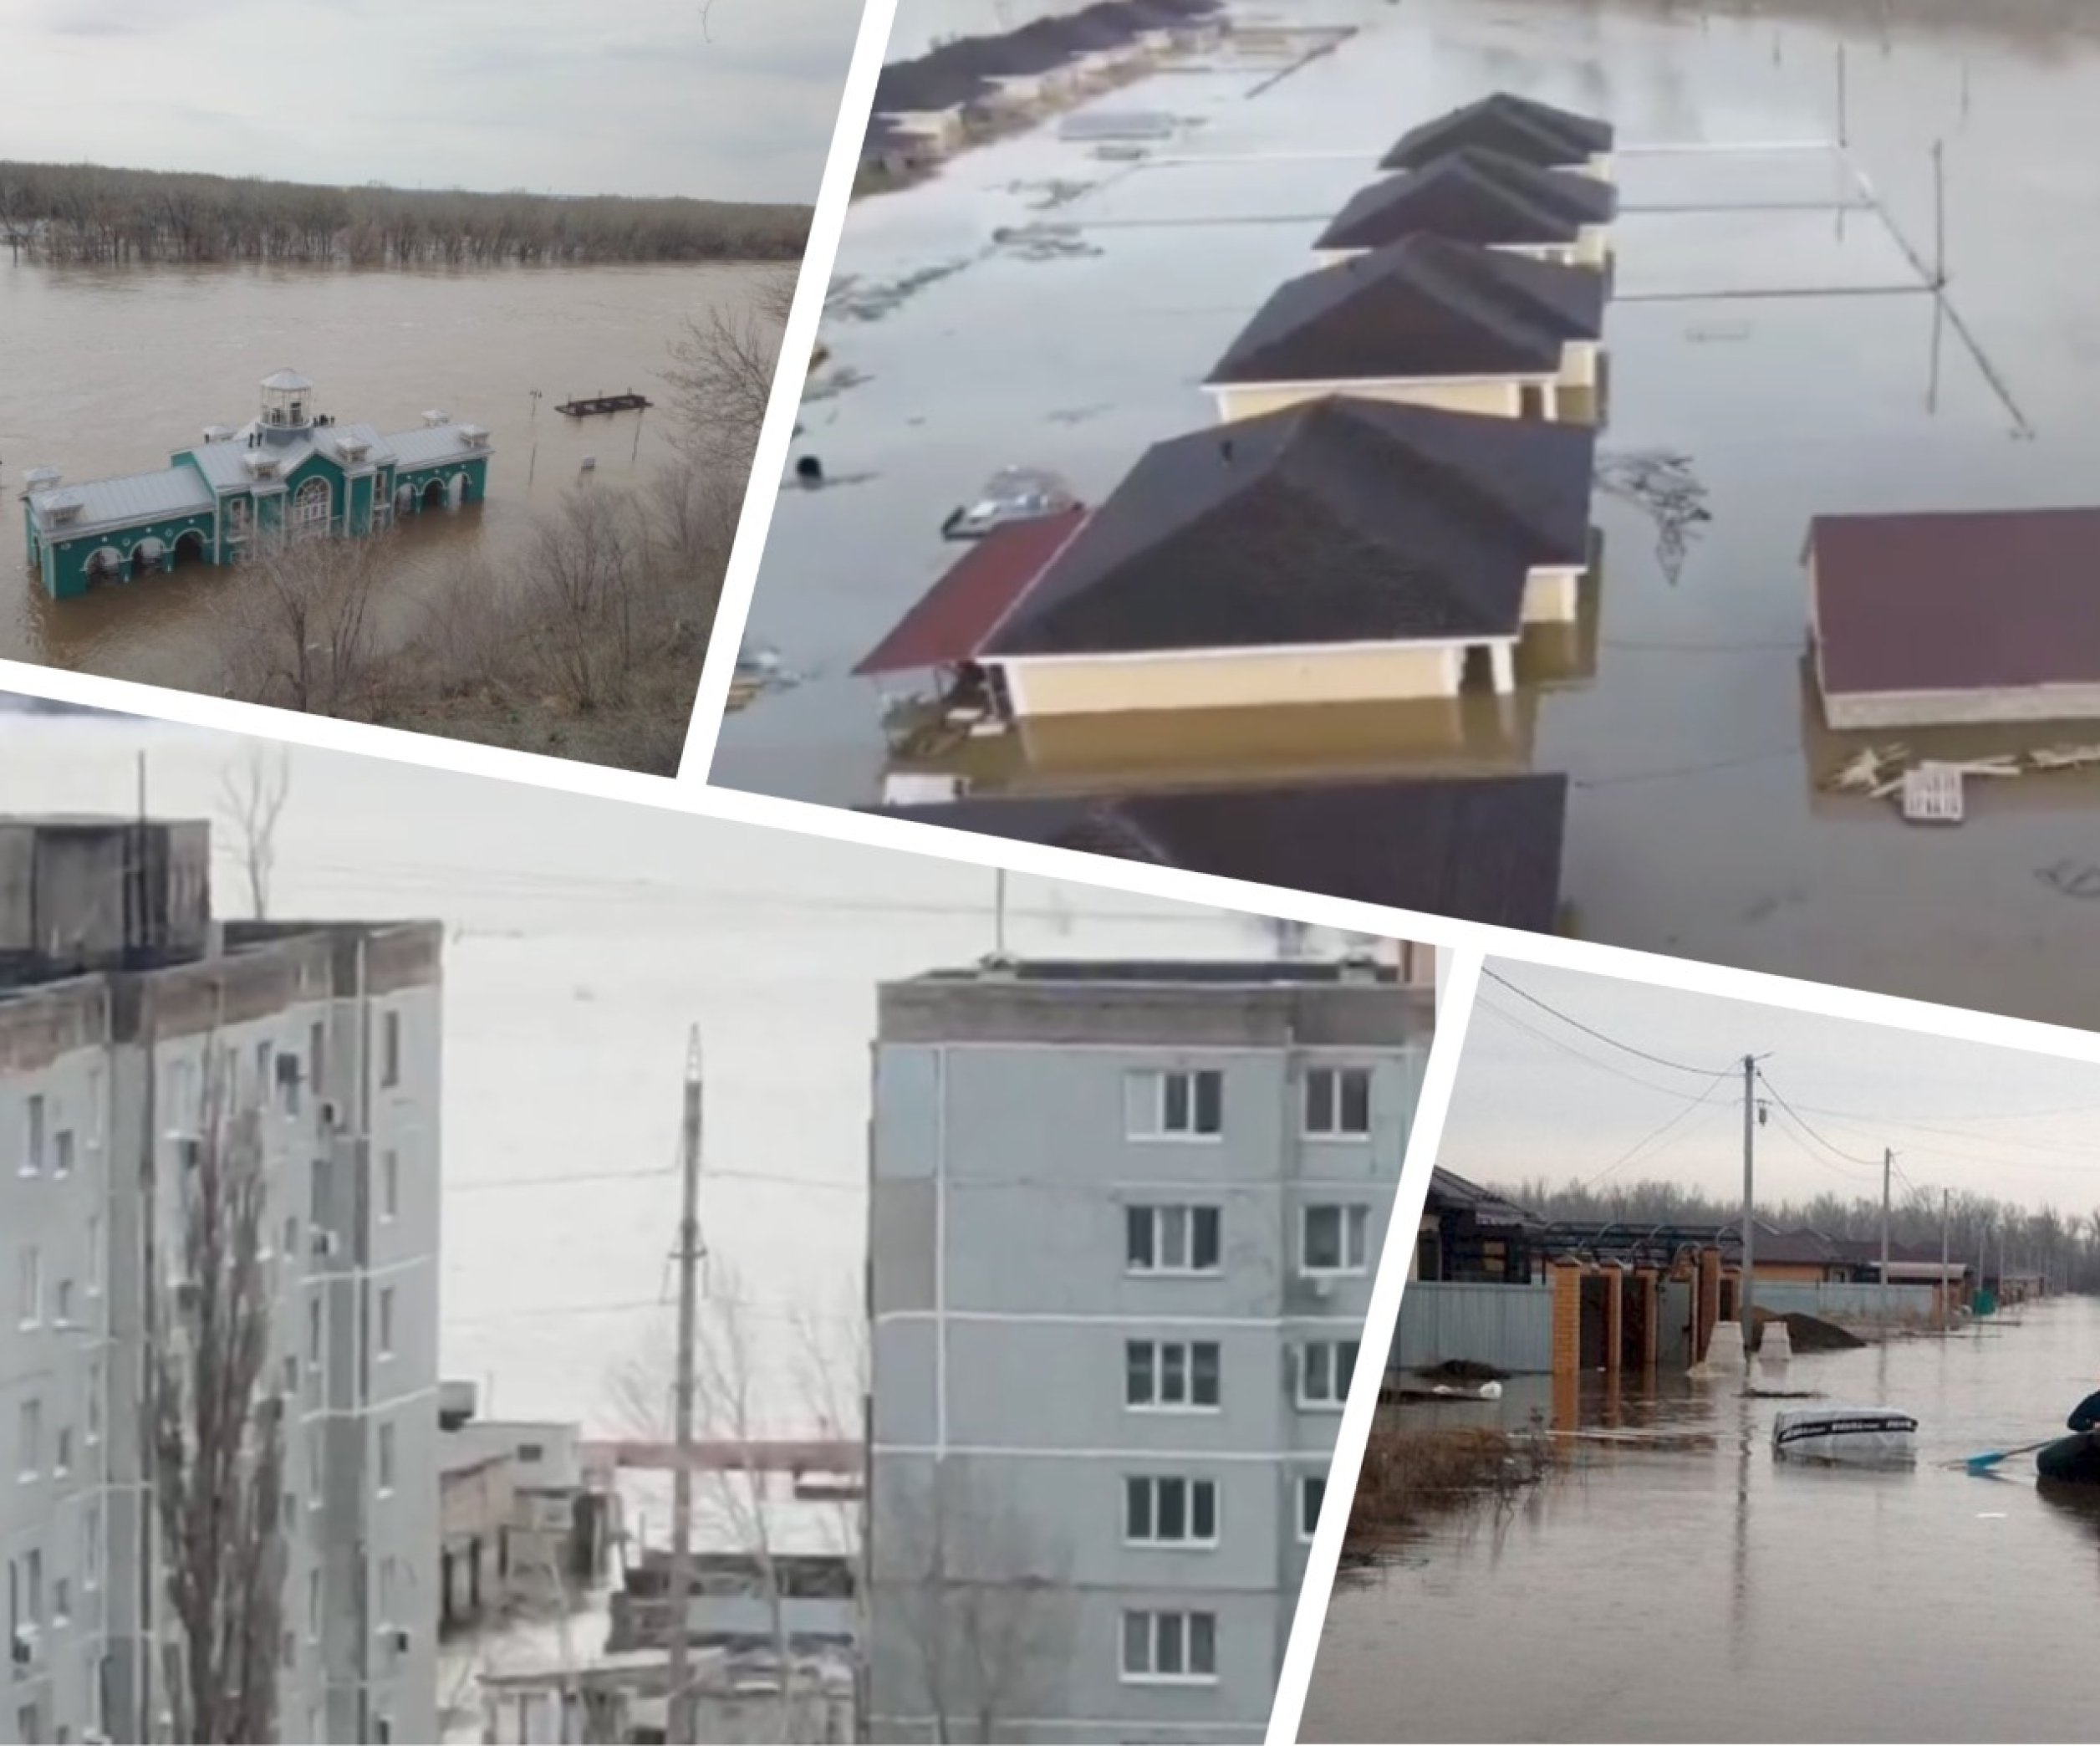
<point>1240,651</point>
<point>1344,385</point>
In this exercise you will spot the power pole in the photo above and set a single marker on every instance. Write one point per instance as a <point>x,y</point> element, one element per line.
<point>1750,1217</point>
<point>679,1722</point>
<point>1888,1168</point>
<point>1946,1290</point>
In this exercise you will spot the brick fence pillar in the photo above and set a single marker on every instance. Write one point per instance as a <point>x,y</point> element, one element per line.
<point>1567,1319</point>
<point>1614,1318</point>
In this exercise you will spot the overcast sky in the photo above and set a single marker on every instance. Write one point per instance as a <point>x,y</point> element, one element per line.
<point>628,98</point>
<point>2025,1128</point>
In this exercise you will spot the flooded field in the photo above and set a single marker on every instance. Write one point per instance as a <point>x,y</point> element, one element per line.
<point>106,370</point>
<point>1707,1593</point>
<point>569,993</point>
<point>1696,826</point>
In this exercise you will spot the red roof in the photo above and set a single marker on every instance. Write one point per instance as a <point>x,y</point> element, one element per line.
<point>955,618</point>
<point>1961,601</point>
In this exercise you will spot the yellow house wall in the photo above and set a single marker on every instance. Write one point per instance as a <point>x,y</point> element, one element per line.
<point>1550,596</point>
<point>1226,681</point>
<point>1500,398</point>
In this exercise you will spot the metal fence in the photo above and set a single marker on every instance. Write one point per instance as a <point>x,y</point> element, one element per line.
<point>1844,1302</point>
<point>1508,1326</point>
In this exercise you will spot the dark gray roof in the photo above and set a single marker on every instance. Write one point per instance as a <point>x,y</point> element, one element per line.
<point>1424,306</point>
<point>1525,129</point>
<point>1474,196</point>
<point>1484,850</point>
<point>1339,521</point>
<point>1449,1189</point>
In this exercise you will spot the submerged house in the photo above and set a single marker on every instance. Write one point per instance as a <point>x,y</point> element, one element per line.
<point>1521,128</point>
<point>1480,850</point>
<point>1430,323</point>
<point>1483,197</point>
<point>291,470</point>
<point>1955,616</point>
<point>1343,551</point>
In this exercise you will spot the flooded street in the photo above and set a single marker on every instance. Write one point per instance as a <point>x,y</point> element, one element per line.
<point>1695,824</point>
<point>586,936</point>
<point>106,370</point>
<point>1706,1592</point>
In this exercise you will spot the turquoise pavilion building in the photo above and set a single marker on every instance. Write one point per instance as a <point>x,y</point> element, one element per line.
<point>290,470</point>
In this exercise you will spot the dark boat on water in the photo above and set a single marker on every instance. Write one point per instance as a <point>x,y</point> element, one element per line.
<point>2073,1460</point>
<point>629,402</point>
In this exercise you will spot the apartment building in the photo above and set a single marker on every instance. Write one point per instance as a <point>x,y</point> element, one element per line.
<point>122,1002</point>
<point>1124,1223</point>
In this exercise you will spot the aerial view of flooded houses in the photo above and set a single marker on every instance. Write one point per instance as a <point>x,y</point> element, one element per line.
<point>1486,463</point>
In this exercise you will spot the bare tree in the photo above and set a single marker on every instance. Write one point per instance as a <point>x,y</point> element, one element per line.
<point>586,593</point>
<point>722,372</point>
<point>301,632</point>
<point>217,1438</point>
<point>983,1602</point>
<point>251,797</point>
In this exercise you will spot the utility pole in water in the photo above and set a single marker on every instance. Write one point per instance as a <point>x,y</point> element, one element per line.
<point>1749,1219</point>
<point>678,1721</point>
<point>1888,1168</point>
<point>1946,1285</point>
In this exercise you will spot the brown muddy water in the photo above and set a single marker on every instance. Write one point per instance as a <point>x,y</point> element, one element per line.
<point>585,937</point>
<point>105,371</point>
<point>1695,827</point>
<point>1693,1592</point>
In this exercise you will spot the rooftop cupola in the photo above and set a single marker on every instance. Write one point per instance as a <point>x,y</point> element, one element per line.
<point>287,407</point>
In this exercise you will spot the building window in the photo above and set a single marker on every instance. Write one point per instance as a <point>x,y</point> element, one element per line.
<point>386,1321</point>
<point>1168,1646</point>
<point>1167,1375</point>
<point>1311,1493</point>
<point>386,1459</point>
<point>1338,1101</point>
<point>1334,1240</point>
<point>62,1453</point>
<point>62,1152</point>
<point>1170,1239</point>
<point>310,507</point>
<point>94,1400</point>
<point>314,1328</point>
<point>29,1443</point>
<point>29,1288</point>
<point>389,1186</point>
<point>94,1254</point>
<point>62,1307</point>
<point>1179,1105</point>
<point>237,518</point>
<point>1325,1368</point>
<point>32,1150</point>
<point>61,1600</point>
<point>316,1037</point>
<point>1170,1512</point>
<point>91,1545</point>
<point>314,1606</point>
<point>390,1049</point>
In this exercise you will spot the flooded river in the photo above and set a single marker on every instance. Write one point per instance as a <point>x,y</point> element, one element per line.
<point>1695,826</point>
<point>586,936</point>
<point>105,371</point>
<point>1706,1593</point>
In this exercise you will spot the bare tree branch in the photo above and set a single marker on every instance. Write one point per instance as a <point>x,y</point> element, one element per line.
<point>251,797</point>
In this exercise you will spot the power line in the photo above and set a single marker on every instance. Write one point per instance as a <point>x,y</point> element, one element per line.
<point>1592,1030</point>
<point>1631,1151</point>
<point>1839,1152</point>
<point>1481,1004</point>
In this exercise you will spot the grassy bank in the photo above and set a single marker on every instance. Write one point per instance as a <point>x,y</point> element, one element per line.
<point>1411,1475</point>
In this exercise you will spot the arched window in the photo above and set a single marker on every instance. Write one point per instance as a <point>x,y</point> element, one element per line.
<point>310,507</point>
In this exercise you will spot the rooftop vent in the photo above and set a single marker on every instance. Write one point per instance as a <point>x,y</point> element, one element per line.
<point>218,433</point>
<point>473,435</point>
<point>353,449</point>
<point>433,419</point>
<point>43,478</point>
<point>64,507</point>
<point>261,464</point>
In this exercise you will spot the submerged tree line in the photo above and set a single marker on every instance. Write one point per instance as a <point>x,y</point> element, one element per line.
<point>84,212</point>
<point>2063,1247</point>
